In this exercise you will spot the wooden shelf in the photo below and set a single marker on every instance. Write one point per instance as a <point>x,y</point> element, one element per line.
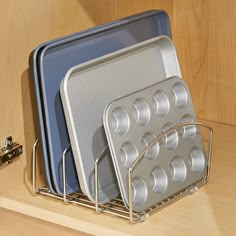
<point>212,209</point>
<point>34,226</point>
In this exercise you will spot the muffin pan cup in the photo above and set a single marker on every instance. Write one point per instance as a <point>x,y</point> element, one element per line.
<point>180,161</point>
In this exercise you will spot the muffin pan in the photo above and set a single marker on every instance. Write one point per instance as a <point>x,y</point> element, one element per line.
<point>175,162</point>
<point>88,88</point>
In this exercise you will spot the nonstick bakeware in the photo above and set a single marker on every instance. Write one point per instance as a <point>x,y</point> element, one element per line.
<point>88,88</point>
<point>51,61</point>
<point>176,162</point>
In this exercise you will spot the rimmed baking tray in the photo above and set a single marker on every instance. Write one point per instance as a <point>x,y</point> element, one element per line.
<point>89,87</point>
<point>51,61</point>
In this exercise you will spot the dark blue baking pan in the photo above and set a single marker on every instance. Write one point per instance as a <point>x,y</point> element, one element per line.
<point>49,63</point>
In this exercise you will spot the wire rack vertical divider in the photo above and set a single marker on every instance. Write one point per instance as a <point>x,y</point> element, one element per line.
<point>116,206</point>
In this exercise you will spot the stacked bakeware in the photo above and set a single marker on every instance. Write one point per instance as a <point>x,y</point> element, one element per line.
<point>50,62</point>
<point>123,122</point>
<point>89,87</point>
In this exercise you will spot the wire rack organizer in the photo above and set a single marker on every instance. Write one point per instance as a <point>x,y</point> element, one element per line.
<point>116,206</point>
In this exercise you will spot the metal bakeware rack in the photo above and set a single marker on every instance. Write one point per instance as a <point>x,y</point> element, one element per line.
<point>116,206</point>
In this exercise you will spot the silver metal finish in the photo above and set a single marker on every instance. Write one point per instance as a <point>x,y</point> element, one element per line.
<point>64,173</point>
<point>88,88</point>
<point>116,206</point>
<point>101,156</point>
<point>172,164</point>
<point>10,151</point>
<point>8,143</point>
<point>34,186</point>
<point>188,190</point>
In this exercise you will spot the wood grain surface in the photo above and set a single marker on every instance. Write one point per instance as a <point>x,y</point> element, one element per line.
<point>204,33</point>
<point>16,224</point>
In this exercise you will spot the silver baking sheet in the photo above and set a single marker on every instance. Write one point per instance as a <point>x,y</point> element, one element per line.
<point>171,165</point>
<point>88,88</point>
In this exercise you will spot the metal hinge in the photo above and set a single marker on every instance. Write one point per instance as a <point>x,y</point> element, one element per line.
<point>10,151</point>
